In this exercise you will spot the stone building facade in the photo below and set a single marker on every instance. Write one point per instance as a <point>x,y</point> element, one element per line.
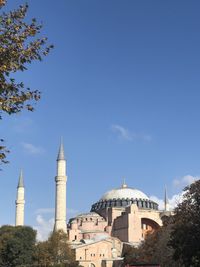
<point>124,214</point>
<point>105,252</point>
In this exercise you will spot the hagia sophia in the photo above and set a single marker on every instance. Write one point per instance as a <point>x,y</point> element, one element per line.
<point>122,216</point>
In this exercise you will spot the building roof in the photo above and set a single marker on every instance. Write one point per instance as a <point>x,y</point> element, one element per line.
<point>88,214</point>
<point>124,193</point>
<point>86,242</point>
<point>92,215</point>
<point>123,197</point>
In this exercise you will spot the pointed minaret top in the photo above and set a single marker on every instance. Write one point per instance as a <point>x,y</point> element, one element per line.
<point>61,154</point>
<point>21,179</point>
<point>124,185</point>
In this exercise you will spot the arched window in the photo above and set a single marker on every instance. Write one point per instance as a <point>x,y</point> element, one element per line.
<point>148,226</point>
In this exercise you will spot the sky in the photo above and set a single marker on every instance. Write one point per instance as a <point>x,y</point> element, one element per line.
<point>121,86</point>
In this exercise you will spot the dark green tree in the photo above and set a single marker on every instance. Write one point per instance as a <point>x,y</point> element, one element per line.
<point>155,248</point>
<point>185,236</point>
<point>55,252</point>
<point>42,256</point>
<point>17,246</point>
<point>20,45</point>
<point>177,243</point>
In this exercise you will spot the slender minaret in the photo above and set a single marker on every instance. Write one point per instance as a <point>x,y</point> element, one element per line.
<point>19,219</point>
<point>166,201</point>
<point>60,179</point>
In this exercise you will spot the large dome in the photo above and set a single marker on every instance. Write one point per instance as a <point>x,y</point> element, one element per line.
<point>124,192</point>
<point>123,197</point>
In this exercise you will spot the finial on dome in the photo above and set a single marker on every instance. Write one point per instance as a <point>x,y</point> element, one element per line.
<point>21,179</point>
<point>61,154</point>
<point>124,185</point>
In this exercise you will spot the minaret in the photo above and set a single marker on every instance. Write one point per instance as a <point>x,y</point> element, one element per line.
<point>19,219</point>
<point>166,201</point>
<point>60,179</point>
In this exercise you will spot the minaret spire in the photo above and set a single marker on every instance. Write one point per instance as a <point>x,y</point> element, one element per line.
<point>61,154</point>
<point>19,219</point>
<point>60,203</point>
<point>21,179</point>
<point>166,201</point>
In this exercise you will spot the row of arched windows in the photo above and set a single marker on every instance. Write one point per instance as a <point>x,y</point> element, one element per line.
<point>148,204</point>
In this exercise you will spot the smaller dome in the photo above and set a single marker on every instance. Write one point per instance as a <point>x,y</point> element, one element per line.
<point>88,214</point>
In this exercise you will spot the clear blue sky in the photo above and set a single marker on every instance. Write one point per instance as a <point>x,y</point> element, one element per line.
<point>122,88</point>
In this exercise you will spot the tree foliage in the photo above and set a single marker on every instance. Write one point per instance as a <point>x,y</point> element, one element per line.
<point>20,45</point>
<point>185,237</point>
<point>55,252</point>
<point>16,246</point>
<point>177,242</point>
<point>155,248</point>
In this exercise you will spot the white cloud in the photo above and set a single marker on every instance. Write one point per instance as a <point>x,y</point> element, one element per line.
<point>184,181</point>
<point>180,183</point>
<point>125,134</point>
<point>173,201</point>
<point>32,149</point>
<point>122,132</point>
<point>45,225</point>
